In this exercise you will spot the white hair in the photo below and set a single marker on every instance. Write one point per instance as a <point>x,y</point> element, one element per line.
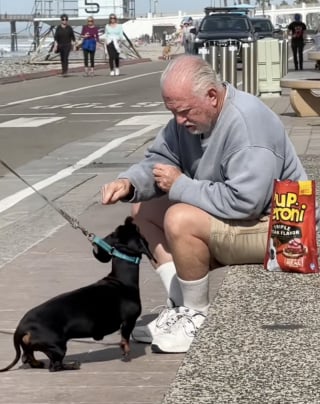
<point>191,69</point>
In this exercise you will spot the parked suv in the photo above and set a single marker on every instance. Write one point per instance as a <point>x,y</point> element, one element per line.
<point>222,25</point>
<point>264,28</point>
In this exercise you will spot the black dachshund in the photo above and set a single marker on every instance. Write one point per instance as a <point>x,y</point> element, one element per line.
<point>94,311</point>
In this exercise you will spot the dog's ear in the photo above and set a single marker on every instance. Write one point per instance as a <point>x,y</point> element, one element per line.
<point>128,221</point>
<point>126,238</point>
<point>143,246</point>
<point>145,249</point>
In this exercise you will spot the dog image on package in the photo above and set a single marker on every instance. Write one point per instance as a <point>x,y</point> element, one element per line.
<point>272,263</point>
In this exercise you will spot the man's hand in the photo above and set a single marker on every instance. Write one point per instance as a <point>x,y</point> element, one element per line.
<point>115,190</point>
<point>165,175</point>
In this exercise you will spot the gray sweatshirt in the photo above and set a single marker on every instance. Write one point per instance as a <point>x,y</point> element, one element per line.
<point>232,175</point>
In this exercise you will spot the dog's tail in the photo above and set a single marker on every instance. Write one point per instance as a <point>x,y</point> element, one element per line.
<point>16,343</point>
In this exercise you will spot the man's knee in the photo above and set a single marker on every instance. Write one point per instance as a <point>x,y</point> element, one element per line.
<point>183,219</point>
<point>175,219</point>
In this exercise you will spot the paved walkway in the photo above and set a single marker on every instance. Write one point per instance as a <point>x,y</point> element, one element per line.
<point>225,365</point>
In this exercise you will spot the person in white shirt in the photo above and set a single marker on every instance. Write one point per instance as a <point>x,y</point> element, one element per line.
<point>114,35</point>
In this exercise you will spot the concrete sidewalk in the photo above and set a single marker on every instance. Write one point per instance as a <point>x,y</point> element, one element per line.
<point>258,345</point>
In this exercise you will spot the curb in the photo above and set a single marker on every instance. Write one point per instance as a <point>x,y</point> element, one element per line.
<point>57,71</point>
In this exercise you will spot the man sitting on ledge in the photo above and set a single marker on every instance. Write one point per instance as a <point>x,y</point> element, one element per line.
<point>202,194</point>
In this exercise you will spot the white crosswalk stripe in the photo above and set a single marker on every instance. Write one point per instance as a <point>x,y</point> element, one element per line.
<point>30,122</point>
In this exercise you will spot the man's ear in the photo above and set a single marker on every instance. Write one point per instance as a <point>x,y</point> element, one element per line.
<point>212,94</point>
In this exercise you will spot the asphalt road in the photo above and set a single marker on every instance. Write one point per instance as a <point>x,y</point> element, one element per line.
<point>38,116</point>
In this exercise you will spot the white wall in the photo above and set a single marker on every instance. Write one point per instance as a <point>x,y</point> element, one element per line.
<point>141,26</point>
<point>100,8</point>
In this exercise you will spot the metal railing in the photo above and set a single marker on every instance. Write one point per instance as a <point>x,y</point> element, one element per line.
<point>4,17</point>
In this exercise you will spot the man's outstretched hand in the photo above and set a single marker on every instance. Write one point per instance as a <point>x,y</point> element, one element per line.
<point>115,190</point>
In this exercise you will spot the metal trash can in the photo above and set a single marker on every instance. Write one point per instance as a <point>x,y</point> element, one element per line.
<point>232,62</point>
<point>253,68</point>
<point>283,49</point>
<point>213,56</point>
<point>224,61</point>
<point>246,71</point>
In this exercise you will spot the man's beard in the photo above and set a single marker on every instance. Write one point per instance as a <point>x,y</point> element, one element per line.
<point>196,130</point>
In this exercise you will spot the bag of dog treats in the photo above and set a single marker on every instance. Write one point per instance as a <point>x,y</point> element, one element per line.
<point>292,242</point>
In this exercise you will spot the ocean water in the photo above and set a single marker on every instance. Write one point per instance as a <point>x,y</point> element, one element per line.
<point>25,41</point>
<point>25,45</point>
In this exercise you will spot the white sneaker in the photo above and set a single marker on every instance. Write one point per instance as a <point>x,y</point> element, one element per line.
<point>146,333</point>
<point>112,73</point>
<point>178,337</point>
<point>117,72</point>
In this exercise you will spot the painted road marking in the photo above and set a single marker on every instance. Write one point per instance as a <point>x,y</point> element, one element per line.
<point>120,113</point>
<point>32,122</point>
<point>30,114</point>
<point>158,120</point>
<point>98,105</point>
<point>13,199</point>
<point>41,97</point>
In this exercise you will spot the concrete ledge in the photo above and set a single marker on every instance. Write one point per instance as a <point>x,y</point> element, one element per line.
<point>304,95</point>
<point>259,343</point>
<point>314,55</point>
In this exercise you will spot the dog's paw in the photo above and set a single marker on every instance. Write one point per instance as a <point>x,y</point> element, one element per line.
<point>126,358</point>
<point>75,365</point>
<point>58,366</point>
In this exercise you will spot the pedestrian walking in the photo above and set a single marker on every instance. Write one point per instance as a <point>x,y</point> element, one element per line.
<point>90,37</point>
<point>297,29</point>
<point>114,35</point>
<point>188,36</point>
<point>64,40</point>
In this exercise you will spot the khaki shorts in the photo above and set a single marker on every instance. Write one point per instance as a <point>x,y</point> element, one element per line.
<point>239,241</point>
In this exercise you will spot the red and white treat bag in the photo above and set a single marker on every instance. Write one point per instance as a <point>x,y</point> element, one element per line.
<point>292,241</point>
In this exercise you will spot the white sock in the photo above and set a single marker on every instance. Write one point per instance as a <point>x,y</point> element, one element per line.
<point>168,276</point>
<point>196,294</point>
